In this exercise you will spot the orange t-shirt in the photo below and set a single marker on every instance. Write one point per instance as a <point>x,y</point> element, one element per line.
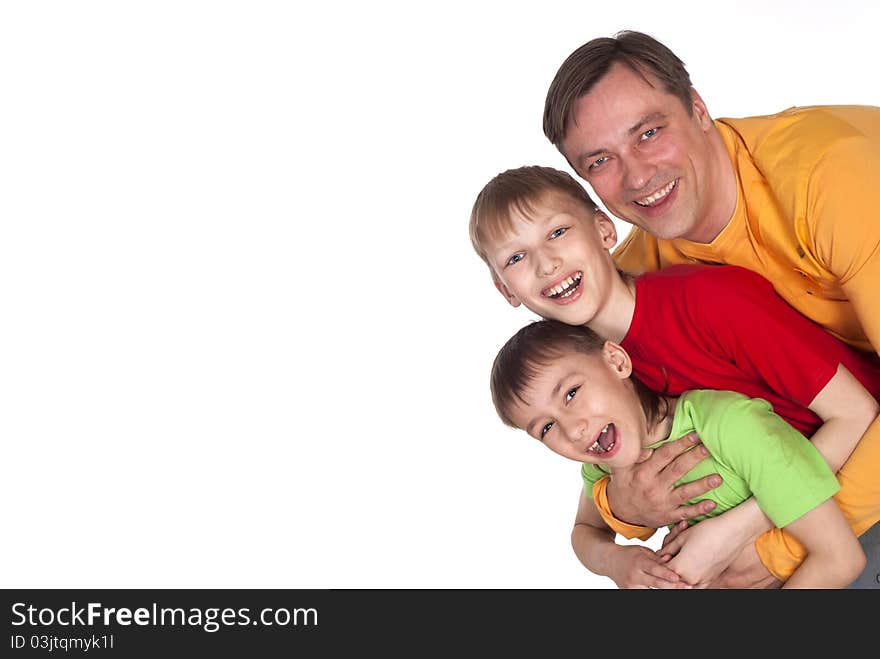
<point>805,220</point>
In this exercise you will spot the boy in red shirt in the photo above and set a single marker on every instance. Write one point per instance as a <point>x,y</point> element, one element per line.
<point>688,327</point>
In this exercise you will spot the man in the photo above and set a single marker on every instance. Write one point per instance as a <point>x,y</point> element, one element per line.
<point>786,195</point>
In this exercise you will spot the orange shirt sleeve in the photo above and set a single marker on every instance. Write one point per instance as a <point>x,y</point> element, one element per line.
<point>600,496</point>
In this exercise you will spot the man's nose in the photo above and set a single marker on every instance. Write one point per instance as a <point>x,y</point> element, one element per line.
<point>639,173</point>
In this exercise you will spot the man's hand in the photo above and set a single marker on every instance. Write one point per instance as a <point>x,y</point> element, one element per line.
<point>638,567</point>
<point>746,571</point>
<point>645,494</point>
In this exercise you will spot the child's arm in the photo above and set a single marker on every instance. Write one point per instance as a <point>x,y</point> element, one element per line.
<point>810,360</point>
<point>847,410</point>
<point>834,556</point>
<point>629,566</point>
<point>700,553</point>
<point>786,474</point>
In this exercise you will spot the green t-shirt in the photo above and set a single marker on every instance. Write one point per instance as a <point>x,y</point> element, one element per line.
<point>754,450</point>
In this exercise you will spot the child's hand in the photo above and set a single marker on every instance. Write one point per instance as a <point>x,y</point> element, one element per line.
<point>639,567</point>
<point>705,551</point>
<point>746,571</point>
<point>699,553</point>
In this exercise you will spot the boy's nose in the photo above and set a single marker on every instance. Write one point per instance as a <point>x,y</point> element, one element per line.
<point>548,264</point>
<point>575,430</point>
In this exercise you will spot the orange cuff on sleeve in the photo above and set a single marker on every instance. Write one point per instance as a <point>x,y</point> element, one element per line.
<point>600,497</point>
<point>780,553</point>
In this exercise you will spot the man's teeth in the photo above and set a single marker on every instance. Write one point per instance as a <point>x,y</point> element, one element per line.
<point>564,286</point>
<point>662,192</point>
<point>597,448</point>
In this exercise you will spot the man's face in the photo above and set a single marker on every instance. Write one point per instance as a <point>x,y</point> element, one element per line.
<point>647,159</point>
<point>556,262</point>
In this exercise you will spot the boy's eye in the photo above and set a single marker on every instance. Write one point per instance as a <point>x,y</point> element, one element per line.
<point>545,429</point>
<point>516,258</point>
<point>570,394</point>
<point>558,232</point>
<point>649,133</point>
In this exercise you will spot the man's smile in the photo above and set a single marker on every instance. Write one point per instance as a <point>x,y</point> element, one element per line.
<point>657,196</point>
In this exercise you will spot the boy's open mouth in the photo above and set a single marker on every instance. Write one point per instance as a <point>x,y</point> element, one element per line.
<point>606,440</point>
<point>564,288</point>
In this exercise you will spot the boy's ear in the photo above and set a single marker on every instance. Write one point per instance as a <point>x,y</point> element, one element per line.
<point>512,299</point>
<point>618,359</point>
<point>607,232</point>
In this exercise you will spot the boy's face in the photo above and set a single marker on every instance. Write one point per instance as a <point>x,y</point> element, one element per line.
<point>584,408</point>
<point>556,263</point>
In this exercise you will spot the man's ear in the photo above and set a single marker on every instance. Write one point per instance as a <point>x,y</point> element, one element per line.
<point>700,111</point>
<point>607,231</point>
<point>618,359</point>
<point>512,299</point>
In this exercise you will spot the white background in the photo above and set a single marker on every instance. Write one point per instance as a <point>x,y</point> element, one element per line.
<point>244,341</point>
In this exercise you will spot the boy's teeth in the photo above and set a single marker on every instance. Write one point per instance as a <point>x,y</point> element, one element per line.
<point>662,192</point>
<point>597,447</point>
<point>564,285</point>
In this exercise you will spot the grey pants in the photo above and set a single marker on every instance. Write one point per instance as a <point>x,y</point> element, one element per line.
<point>870,578</point>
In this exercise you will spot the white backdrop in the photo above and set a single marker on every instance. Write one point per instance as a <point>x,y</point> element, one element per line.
<point>244,341</point>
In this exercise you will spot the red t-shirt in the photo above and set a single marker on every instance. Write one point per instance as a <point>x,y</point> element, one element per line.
<point>724,327</point>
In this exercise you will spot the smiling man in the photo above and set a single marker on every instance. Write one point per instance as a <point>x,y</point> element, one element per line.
<point>786,195</point>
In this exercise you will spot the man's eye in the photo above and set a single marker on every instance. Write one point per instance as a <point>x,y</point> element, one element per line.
<point>598,162</point>
<point>570,394</point>
<point>516,258</point>
<point>558,232</point>
<point>545,430</point>
<point>649,133</point>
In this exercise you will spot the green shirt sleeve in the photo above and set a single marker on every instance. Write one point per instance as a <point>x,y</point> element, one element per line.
<point>784,471</point>
<point>591,473</point>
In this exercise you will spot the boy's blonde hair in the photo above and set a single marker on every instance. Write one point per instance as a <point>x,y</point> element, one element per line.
<point>517,190</point>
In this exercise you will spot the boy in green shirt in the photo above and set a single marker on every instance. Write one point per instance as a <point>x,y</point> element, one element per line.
<point>574,392</point>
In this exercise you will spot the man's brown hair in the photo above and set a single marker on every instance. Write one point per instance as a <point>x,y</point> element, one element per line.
<point>534,347</point>
<point>517,190</point>
<point>589,63</point>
